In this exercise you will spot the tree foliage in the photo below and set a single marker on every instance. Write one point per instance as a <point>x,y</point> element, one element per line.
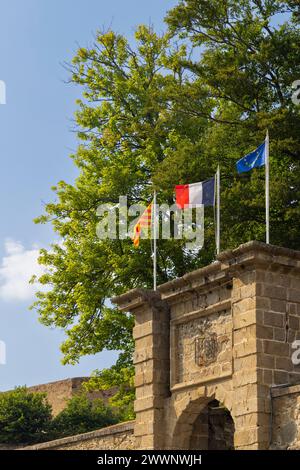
<point>82,415</point>
<point>24,417</point>
<point>121,378</point>
<point>248,64</point>
<point>168,110</point>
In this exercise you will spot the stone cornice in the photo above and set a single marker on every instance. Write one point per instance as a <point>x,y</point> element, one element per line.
<point>136,298</point>
<point>258,247</point>
<point>219,272</point>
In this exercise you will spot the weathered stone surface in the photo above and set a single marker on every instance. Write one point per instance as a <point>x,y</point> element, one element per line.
<point>286,418</point>
<point>202,346</point>
<point>118,437</point>
<point>231,323</point>
<point>210,349</point>
<point>59,392</point>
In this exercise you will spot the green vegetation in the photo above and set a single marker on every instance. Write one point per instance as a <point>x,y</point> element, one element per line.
<point>25,417</point>
<point>82,415</point>
<point>120,377</point>
<point>170,109</point>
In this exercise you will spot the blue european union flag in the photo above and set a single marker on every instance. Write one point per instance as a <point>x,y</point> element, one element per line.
<point>254,159</point>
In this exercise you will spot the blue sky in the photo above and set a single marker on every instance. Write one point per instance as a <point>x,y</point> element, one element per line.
<point>36,138</point>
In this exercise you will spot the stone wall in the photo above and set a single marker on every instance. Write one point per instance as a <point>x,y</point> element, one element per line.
<point>223,332</point>
<point>285,420</point>
<point>117,437</point>
<point>213,358</point>
<point>59,392</point>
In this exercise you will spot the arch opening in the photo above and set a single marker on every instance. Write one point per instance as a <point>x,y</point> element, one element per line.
<point>213,429</point>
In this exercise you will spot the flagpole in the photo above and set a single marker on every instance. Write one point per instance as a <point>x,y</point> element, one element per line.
<point>218,211</point>
<point>267,171</point>
<point>154,243</point>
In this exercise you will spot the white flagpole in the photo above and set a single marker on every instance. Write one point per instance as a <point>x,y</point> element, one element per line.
<point>267,171</point>
<point>154,242</point>
<point>218,210</point>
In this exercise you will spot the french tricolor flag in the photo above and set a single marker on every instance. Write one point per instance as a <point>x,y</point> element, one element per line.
<point>197,194</point>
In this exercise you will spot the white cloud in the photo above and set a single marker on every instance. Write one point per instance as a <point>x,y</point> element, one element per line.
<point>16,269</point>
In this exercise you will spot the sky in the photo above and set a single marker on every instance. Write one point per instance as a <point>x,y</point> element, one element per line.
<point>36,139</point>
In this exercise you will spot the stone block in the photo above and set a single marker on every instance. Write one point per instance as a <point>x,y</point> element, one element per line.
<point>245,363</point>
<point>292,335</point>
<point>265,361</point>
<point>291,308</point>
<point>278,305</point>
<point>150,390</point>
<point>293,322</point>
<point>293,295</point>
<point>245,348</point>
<point>243,305</point>
<point>244,319</point>
<point>147,442</point>
<point>277,348</point>
<point>264,332</point>
<point>145,417</point>
<point>279,334</point>
<point>280,377</point>
<point>261,276</point>
<point>248,291</point>
<point>252,420</point>
<point>294,378</point>
<point>274,319</point>
<point>267,376</point>
<point>246,376</point>
<point>246,437</point>
<point>263,303</point>
<point>244,334</point>
<point>275,292</point>
<point>144,429</point>
<point>283,363</point>
<point>295,283</point>
<point>148,403</point>
<point>251,405</point>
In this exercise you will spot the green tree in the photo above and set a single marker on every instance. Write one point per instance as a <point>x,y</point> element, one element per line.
<point>249,60</point>
<point>169,110</point>
<point>126,123</point>
<point>120,377</point>
<point>24,417</point>
<point>82,415</point>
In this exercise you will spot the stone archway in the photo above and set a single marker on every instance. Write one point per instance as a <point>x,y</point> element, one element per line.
<point>206,336</point>
<point>204,424</point>
<point>213,429</point>
<point>184,426</point>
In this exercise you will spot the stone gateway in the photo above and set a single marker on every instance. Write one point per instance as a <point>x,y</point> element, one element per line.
<point>213,358</point>
<point>213,354</point>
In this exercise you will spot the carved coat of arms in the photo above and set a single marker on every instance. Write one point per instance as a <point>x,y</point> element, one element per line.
<point>206,348</point>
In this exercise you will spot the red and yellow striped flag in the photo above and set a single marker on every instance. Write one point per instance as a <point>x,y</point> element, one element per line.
<point>144,222</point>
